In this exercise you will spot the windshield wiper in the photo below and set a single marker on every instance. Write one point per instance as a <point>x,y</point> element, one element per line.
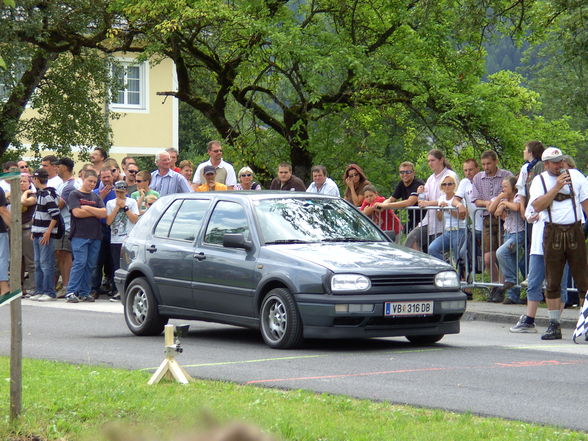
<point>346,239</point>
<point>278,241</point>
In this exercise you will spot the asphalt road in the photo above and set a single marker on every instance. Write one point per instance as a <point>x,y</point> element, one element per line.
<point>484,370</point>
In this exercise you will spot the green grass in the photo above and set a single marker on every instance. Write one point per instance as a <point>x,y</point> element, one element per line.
<point>70,402</point>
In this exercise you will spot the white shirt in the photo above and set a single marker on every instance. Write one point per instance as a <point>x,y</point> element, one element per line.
<point>231,176</point>
<point>464,191</point>
<point>54,182</point>
<point>561,212</point>
<point>432,193</point>
<point>450,222</point>
<point>328,188</point>
<point>522,180</point>
<point>121,225</point>
<point>537,233</point>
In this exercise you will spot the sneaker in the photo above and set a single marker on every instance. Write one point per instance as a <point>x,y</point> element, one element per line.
<point>72,298</point>
<point>61,293</point>
<point>46,298</point>
<point>36,297</point>
<point>94,294</point>
<point>525,283</point>
<point>115,298</point>
<point>523,327</point>
<point>553,332</point>
<point>496,295</point>
<point>507,285</point>
<point>88,298</point>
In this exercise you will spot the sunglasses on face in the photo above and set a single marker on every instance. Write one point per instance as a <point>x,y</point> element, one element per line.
<point>405,172</point>
<point>139,181</point>
<point>248,175</point>
<point>447,184</point>
<point>217,151</point>
<point>113,170</point>
<point>134,172</point>
<point>23,167</point>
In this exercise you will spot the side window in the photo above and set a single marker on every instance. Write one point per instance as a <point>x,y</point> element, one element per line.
<point>189,219</point>
<point>227,218</point>
<point>162,227</point>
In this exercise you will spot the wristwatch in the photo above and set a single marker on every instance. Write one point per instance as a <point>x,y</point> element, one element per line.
<point>125,208</point>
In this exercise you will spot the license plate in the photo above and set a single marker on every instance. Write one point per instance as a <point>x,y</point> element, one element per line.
<point>405,309</point>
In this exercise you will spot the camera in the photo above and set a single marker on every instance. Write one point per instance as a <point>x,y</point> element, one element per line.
<point>181,331</point>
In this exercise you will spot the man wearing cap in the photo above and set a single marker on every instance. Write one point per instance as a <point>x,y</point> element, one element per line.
<point>122,214</point>
<point>210,183</point>
<point>559,195</point>
<point>44,229</point>
<point>63,246</point>
<point>225,173</point>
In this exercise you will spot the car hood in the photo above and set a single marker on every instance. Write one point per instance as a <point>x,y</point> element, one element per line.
<point>367,257</point>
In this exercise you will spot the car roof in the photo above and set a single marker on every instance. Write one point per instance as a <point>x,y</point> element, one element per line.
<point>241,195</point>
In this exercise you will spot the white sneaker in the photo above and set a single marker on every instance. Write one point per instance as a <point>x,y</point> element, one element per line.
<point>46,298</point>
<point>36,297</point>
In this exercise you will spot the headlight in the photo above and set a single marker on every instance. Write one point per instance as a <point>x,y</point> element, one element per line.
<point>447,279</point>
<point>350,282</point>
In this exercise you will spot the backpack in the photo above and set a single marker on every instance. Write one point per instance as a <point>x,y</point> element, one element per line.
<point>57,234</point>
<point>535,171</point>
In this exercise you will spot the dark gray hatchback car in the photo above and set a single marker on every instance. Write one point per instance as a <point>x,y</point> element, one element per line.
<point>294,265</point>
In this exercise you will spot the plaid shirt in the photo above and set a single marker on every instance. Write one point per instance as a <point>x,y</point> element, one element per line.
<point>488,187</point>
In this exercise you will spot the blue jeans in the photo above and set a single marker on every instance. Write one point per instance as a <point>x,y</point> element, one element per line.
<point>4,257</point>
<point>506,255</point>
<point>537,277</point>
<point>44,267</point>
<point>449,241</point>
<point>85,256</point>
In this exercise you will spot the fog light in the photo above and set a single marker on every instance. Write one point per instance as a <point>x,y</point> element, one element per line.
<point>364,307</point>
<point>342,308</point>
<point>453,305</point>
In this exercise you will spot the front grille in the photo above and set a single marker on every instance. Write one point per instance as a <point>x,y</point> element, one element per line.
<point>403,280</point>
<point>397,321</point>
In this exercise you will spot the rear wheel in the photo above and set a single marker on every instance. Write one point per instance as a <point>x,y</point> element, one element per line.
<point>281,326</point>
<point>141,309</point>
<point>423,340</point>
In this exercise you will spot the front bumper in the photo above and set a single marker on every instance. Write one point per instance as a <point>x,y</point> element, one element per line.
<point>321,320</point>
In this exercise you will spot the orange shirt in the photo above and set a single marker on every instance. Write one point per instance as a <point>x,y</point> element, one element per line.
<point>217,187</point>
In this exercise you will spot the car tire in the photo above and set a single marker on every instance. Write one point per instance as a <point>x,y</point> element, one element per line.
<point>141,312</point>
<point>423,340</point>
<point>281,326</point>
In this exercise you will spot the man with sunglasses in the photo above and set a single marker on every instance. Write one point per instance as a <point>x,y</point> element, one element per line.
<point>225,173</point>
<point>131,177</point>
<point>405,195</point>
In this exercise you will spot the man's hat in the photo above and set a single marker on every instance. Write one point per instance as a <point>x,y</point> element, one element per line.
<point>552,154</point>
<point>209,169</point>
<point>41,173</point>
<point>120,185</point>
<point>65,161</point>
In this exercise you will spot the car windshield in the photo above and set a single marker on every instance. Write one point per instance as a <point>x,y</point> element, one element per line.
<point>304,220</point>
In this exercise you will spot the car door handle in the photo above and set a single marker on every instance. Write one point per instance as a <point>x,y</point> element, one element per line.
<point>152,249</point>
<point>200,256</point>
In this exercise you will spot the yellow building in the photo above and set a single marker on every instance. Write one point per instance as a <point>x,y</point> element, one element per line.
<point>148,122</point>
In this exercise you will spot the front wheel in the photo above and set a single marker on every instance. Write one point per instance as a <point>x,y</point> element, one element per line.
<point>141,312</point>
<point>424,340</point>
<point>281,326</point>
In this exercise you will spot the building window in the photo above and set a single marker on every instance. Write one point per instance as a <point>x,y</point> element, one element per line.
<point>131,79</point>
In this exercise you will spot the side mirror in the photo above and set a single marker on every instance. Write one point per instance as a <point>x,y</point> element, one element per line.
<point>236,240</point>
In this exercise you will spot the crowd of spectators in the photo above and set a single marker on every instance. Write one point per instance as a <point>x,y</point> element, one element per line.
<point>482,219</point>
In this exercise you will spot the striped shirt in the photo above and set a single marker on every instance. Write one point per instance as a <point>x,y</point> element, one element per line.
<point>170,183</point>
<point>488,187</point>
<point>45,211</point>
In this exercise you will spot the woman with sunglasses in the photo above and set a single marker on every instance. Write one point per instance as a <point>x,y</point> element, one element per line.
<point>454,224</point>
<point>355,181</point>
<point>246,180</point>
<point>143,180</point>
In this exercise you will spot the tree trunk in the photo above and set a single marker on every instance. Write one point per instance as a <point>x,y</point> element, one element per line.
<point>15,106</point>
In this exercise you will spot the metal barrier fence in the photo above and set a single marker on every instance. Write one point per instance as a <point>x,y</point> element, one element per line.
<point>468,255</point>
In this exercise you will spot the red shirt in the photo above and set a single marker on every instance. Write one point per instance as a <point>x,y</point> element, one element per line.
<point>385,219</point>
